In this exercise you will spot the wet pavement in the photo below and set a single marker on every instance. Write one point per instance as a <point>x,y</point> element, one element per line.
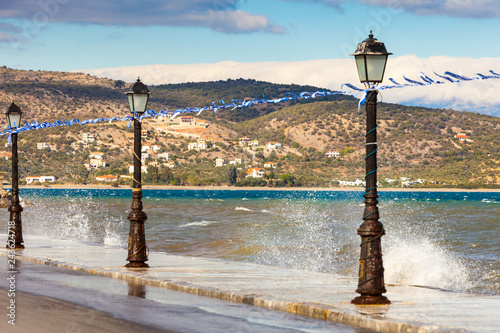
<point>239,294</point>
<point>152,308</point>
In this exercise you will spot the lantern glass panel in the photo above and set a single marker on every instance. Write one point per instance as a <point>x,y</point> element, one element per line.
<point>14,119</point>
<point>140,102</point>
<point>375,66</point>
<point>360,64</point>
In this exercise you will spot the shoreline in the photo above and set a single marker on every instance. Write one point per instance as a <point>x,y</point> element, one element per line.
<point>233,188</point>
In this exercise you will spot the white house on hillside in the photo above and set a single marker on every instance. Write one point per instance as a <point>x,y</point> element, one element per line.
<point>97,163</point>
<point>236,161</point>
<point>254,143</point>
<point>40,179</point>
<point>255,172</point>
<point>270,165</point>
<point>273,145</point>
<point>198,145</point>
<point>243,141</point>
<point>220,162</point>
<point>357,182</point>
<point>333,154</point>
<point>163,156</point>
<point>106,178</point>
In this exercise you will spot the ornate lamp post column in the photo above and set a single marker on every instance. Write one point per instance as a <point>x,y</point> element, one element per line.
<point>137,249</point>
<point>371,58</point>
<point>15,232</point>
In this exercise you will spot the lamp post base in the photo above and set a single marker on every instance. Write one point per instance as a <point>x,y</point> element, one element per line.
<point>371,300</point>
<point>135,264</point>
<point>17,247</point>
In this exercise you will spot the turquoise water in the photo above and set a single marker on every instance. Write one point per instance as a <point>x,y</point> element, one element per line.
<point>446,240</point>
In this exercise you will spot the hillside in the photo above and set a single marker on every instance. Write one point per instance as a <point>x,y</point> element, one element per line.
<point>414,142</point>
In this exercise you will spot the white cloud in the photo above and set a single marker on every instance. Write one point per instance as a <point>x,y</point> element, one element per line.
<point>457,8</point>
<point>480,96</point>
<point>218,15</point>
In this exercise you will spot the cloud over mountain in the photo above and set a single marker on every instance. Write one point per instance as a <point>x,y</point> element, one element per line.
<point>479,96</point>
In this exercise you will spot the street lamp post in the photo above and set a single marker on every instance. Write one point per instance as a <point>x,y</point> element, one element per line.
<point>371,58</point>
<point>15,232</point>
<point>137,249</point>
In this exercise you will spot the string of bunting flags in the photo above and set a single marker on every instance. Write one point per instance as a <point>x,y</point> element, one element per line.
<point>448,77</point>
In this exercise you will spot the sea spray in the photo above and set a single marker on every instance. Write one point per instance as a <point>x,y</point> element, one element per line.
<point>74,218</point>
<point>419,262</point>
<point>433,239</point>
<point>311,235</point>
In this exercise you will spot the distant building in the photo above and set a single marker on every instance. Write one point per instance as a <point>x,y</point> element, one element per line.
<point>357,182</point>
<point>220,162</point>
<point>270,165</point>
<point>236,161</point>
<point>273,145</point>
<point>255,173</point>
<point>40,179</point>
<point>188,120</point>
<point>42,145</point>
<point>97,163</point>
<point>106,178</point>
<point>463,137</point>
<point>163,156</point>
<point>243,141</point>
<point>254,143</point>
<point>333,154</point>
<point>5,155</point>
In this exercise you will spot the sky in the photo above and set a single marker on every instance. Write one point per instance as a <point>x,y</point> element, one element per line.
<point>92,35</point>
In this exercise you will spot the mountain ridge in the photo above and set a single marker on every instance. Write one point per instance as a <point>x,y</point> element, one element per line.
<point>414,142</point>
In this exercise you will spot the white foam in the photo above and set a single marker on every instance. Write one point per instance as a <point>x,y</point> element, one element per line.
<point>420,262</point>
<point>244,209</point>
<point>196,224</point>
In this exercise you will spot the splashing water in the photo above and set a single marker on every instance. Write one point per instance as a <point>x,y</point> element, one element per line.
<point>419,262</point>
<point>82,219</point>
<point>432,241</point>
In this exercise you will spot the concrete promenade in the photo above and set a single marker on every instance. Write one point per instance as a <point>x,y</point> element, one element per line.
<point>317,295</point>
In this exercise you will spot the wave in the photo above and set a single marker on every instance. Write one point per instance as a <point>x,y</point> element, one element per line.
<point>197,224</point>
<point>244,209</point>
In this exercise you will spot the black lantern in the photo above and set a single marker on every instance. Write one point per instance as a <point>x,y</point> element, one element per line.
<point>371,58</point>
<point>138,97</point>
<point>14,116</point>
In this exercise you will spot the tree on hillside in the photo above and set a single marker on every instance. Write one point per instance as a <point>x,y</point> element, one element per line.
<point>231,175</point>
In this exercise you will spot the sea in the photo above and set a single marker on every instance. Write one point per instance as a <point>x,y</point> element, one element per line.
<point>444,240</point>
